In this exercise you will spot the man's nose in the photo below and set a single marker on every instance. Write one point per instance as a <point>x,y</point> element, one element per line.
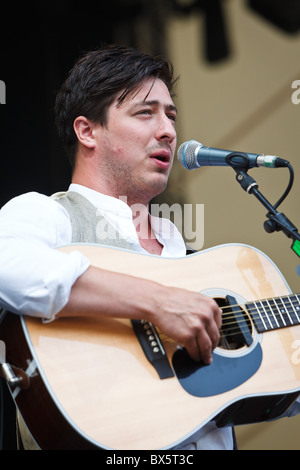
<point>166,129</point>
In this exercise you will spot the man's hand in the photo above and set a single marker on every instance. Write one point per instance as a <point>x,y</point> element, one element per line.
<point>191,319</point>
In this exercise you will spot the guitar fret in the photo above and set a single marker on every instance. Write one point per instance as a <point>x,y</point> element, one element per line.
<point>266,315</point>
<point>281,311</point>
<point>262,317</point>
<point>272,314</point>
<point>277,313</point>
<point>287,311</point>
<point>297,308</point>
<point>272,317</point>
<point>257,317</point>
<point>292,310</point>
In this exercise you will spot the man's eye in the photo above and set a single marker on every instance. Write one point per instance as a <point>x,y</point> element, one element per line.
<point>145,111</point>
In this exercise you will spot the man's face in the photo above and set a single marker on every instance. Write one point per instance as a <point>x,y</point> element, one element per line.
<point>136,147</point>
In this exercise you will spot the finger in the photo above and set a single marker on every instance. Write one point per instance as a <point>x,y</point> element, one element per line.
<point>207,340</point>
<point>214,335</point>
<point>212,325</point>
<point>193,350</point>
<point>200,348</point>
<point>204,340</point>
<point>218,317</point>
<point>217,313</point>
<point>213,308</point>
<point>205,348</point>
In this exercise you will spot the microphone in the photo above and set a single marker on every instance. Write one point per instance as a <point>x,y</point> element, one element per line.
<point>193,155</point>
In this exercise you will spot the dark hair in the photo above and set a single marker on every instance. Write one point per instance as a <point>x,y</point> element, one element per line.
<point>95,81</point>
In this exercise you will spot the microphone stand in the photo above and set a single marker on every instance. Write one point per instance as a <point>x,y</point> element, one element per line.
<point>277,221</point>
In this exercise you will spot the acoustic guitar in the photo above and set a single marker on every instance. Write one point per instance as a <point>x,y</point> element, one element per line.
<point>82,383</point>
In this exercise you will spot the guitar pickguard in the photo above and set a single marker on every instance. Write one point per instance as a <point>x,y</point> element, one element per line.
<point>222,375</point>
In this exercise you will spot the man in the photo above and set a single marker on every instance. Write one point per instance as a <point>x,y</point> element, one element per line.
<point>116,117</point>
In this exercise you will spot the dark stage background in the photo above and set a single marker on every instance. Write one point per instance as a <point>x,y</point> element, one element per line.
<point>39,43</point>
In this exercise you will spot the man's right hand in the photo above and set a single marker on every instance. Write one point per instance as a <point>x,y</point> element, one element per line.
<point>193,320</point>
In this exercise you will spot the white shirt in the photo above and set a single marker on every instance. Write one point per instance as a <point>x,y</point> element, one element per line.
<point>36,279</point>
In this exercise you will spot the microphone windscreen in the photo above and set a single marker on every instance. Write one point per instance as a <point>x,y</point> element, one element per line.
<point>187,154</point>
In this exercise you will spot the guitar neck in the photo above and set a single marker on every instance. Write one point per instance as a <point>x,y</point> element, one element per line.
<point>275,313</point>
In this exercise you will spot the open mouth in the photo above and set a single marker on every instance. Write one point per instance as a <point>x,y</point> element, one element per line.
<point>162,161</point>
<point>161,158</point>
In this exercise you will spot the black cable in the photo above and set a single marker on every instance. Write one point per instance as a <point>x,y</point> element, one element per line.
<point>289,187</point>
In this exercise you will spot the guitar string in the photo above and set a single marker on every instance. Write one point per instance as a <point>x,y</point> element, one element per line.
<point>268,307</point>
<point>240,314</point>
<point>234,328</point>
<point>244,314</point>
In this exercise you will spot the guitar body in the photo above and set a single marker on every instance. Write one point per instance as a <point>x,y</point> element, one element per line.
<point>91,385</point>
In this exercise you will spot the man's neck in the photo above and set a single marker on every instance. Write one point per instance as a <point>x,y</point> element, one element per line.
<point>146,236</point>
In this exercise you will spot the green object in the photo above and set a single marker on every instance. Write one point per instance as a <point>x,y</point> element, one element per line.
<point>296,247</point>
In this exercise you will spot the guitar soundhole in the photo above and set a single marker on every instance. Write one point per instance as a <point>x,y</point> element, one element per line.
<point>236,331</point>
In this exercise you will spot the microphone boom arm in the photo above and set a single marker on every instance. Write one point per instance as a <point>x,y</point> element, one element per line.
<point>277,221</point>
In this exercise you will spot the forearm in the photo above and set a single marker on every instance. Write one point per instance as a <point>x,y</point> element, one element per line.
<point>104,293</point>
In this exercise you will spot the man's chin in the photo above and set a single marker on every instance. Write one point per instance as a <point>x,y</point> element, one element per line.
<point>159,185</point>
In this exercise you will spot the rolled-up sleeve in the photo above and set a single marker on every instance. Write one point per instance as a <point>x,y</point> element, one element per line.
<point>35,277</point>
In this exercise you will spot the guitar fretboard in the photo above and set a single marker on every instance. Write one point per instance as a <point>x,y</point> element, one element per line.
<point>279,312</point>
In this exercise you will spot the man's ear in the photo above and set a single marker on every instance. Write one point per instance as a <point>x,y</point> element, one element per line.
<point>83,128</point>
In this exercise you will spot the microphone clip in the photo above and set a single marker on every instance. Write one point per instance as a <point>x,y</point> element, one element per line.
<point>246,181</point>
<point>238,161</point>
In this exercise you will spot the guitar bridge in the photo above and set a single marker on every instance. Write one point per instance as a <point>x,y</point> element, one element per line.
<point>150,342</point>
